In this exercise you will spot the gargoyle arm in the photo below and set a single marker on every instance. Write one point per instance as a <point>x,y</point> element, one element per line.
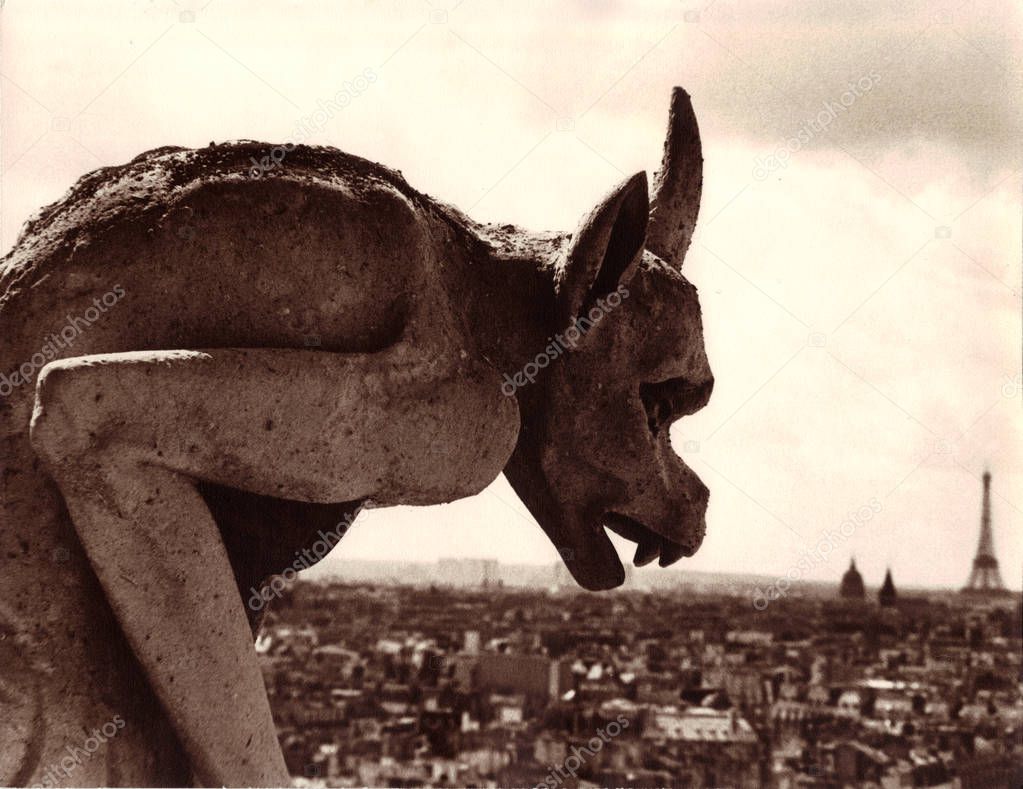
<point>127,435</point>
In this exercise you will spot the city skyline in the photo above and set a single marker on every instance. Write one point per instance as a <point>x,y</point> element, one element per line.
<point>540,575</point>
<point>920,693</point>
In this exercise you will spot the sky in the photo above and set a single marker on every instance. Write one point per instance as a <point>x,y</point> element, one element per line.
<point>857,253</point>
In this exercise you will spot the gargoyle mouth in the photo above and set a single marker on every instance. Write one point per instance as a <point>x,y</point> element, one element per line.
<point>650,545</point>
<point>591,556</point>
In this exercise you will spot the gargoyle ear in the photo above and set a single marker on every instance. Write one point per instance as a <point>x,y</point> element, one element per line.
<point>605,248</point>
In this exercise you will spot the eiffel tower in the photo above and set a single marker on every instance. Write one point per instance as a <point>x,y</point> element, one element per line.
<point>984,577</point>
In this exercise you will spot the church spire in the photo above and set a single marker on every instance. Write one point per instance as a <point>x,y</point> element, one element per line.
<point>887,595</point>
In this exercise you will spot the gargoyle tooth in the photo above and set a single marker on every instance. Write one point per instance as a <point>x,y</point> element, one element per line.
<point>671,552</point>
<point>647,549</point>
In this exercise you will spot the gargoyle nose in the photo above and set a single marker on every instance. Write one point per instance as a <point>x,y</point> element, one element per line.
<point>696,397</point>
<point>669,400</point>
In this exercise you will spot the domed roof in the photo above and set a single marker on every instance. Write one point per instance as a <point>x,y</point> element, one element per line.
<point>852,583</point>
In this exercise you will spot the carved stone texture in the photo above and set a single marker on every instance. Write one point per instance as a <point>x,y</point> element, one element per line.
<point>209,366</point>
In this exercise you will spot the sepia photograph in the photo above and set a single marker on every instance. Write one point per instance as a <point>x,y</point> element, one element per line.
<point>457,393</point>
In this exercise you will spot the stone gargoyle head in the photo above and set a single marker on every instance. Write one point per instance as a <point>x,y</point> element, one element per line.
<point>626,359</point>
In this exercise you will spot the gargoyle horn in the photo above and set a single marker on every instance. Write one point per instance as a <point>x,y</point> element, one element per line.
<point>677,185</point>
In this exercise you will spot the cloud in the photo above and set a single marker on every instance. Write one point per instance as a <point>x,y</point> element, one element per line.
<point>948,78</point>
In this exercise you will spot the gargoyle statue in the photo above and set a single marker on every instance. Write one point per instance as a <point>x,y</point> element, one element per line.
<point>266,354</point>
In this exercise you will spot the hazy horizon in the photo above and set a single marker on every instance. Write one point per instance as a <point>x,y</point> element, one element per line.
<point>332,571</point>
<point>859,275</point>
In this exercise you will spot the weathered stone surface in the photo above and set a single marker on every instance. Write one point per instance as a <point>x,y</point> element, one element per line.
<point>251,360</point>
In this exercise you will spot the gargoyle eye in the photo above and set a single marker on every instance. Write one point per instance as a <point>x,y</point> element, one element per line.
<point>666,401</point>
